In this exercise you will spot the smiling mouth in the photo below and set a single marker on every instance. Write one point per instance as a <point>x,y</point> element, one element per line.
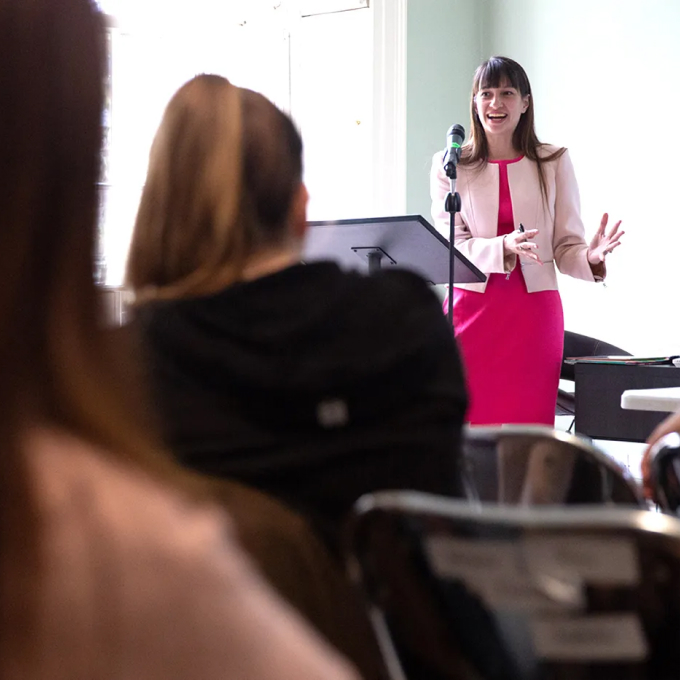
<point>496,116</point>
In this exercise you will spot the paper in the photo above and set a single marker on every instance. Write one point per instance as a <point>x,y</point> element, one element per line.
<point>596,638</point>
<point>603,560</point>
<point>494,570</point>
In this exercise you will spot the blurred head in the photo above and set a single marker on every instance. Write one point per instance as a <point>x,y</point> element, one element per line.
<point>224,186</point>
<point>51,92</point>
<point>57,363</point>
<point>501,103</point>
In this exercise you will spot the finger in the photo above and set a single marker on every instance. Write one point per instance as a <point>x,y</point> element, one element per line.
<point>646,469</point>
<point>670,424</point>
<point>612,247</point>
<point>603,224</point>
<point>531,255</point>
<point>526,252</point>
<point>614,229</point>
<point>618,236</point>
<point>646,459</point>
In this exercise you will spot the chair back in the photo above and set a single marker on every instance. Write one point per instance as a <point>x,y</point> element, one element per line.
<point>532,465</point>
<point>665,472</point>
<point>510,593</point>
<point>577,345</point>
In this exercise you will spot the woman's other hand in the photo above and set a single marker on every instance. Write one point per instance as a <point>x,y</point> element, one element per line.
<point>520,243</point>
<point>604,243</point>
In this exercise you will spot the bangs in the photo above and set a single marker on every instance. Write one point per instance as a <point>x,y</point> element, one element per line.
<point>499,70</point>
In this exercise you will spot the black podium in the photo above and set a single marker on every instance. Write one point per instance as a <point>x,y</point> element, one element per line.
<point>407,241</point>
<point>598,389</point>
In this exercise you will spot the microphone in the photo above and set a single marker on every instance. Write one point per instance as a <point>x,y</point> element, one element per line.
<point>454,141</point>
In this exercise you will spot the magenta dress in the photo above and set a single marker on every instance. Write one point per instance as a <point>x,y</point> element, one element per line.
<point>511,340</point>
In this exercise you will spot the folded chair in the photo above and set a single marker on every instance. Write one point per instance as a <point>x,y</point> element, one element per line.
<point>535,465</point>
<point>466,592</point>
<point>577,345</point>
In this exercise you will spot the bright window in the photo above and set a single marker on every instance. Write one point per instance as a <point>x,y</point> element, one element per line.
<point>317,67</point>
<point>155,47</point>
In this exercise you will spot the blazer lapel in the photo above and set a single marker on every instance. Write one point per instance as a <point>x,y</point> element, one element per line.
<point>481,201</point>
<point>527,204</point>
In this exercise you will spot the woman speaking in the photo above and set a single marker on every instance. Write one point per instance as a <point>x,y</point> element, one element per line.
<point>520,218</point>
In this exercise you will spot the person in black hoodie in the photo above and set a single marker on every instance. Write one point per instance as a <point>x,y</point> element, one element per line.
<point>311,383</point>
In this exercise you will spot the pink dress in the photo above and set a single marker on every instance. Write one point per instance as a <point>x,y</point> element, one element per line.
<point>511,340</point>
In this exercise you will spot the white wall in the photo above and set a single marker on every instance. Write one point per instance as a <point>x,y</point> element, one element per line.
<point>604,76</point>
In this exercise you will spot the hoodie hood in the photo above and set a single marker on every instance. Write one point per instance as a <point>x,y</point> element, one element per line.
<point>305,338</point>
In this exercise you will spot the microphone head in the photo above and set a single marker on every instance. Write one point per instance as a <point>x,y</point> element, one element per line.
<point>456,131</point>
<point>454,141</point>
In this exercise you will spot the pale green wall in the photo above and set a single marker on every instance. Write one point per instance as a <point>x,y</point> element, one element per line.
<point>604,76</point>
<point>444,46</point>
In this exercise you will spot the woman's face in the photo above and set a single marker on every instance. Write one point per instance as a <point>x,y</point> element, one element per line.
<point>500,108</point>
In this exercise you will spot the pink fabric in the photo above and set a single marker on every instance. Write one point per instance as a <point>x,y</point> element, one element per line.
<point>139,582</point>
<point>511,340</point>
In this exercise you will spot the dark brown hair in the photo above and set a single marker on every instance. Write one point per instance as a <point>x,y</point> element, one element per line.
<point>493,73</point>
<point>223,171</point>
<point>58,366</point>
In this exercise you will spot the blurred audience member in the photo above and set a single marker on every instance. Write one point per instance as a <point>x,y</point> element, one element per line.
<point>111,566</point>
<point>311,383</point>
<point>670,424</point>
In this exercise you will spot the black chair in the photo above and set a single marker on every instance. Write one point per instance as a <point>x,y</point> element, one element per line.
<point>577,345</point>
<point>496,593</point>
<point>534,465</point>
<point>665,472</point>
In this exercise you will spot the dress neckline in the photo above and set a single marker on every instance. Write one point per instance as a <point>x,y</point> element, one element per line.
<point>508,160</point>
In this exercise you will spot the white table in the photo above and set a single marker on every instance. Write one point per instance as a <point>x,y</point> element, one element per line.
<point>661,399</point>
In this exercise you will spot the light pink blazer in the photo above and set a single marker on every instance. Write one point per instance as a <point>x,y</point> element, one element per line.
<point>560,237</point>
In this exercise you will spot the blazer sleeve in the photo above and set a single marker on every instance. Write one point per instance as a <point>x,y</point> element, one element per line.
<point>570,249</point>
<point>486,253</point>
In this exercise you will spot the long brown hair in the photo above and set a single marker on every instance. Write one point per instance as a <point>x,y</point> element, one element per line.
<point>223,170</point>
<point>492,73</point>
<point>57,363</point>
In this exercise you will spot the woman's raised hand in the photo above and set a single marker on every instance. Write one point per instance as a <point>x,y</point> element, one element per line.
<point>520,243</point>
<point>604,243</point>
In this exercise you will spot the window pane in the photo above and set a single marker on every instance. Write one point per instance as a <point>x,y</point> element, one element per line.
<point>155,48</point>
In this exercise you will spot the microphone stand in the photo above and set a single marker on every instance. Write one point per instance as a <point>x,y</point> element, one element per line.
<point>452,206</point>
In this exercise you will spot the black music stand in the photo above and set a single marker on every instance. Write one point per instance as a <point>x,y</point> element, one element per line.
<point>374,243</point>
